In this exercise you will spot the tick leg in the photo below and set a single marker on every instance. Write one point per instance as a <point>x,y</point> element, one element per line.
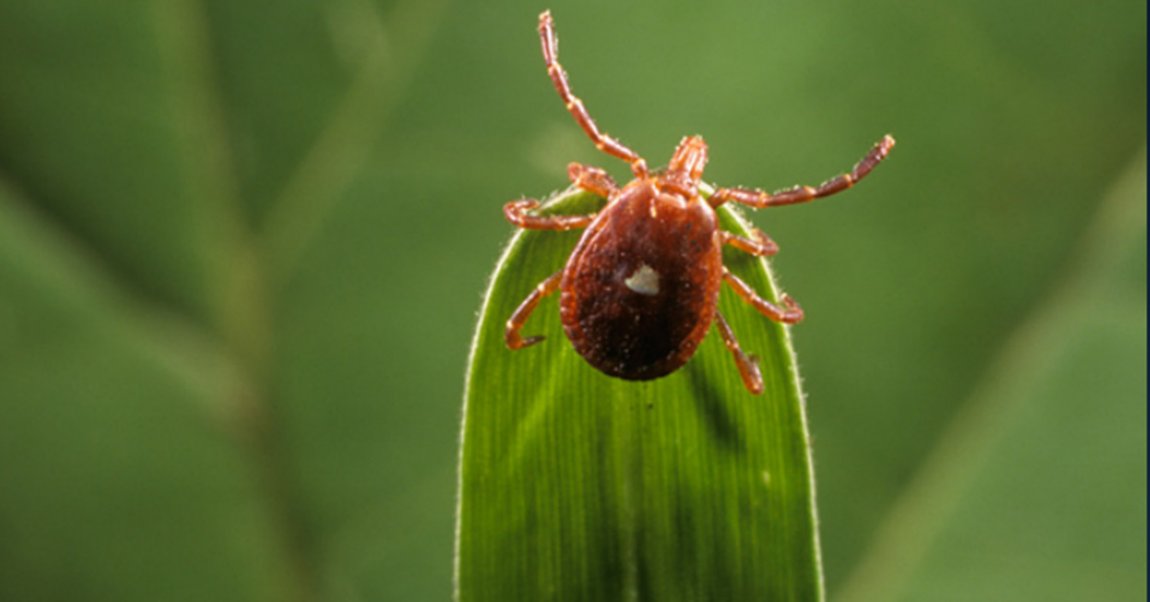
<point>748,364</point>
<point>575,106</point>
<point>516,212</point>
<point>800,194</point>
<point>791,315</point>
<point>759,245</point>
<point>592,179</point>
<point>517,319</point>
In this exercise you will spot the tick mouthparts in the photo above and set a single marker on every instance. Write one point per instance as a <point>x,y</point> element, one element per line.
<point>690,157</point>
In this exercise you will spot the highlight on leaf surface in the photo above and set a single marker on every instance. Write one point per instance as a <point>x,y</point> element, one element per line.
<point>578,486</point>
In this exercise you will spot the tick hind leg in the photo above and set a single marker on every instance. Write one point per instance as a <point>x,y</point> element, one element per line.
<point>800,194</point>
<point>515,323</point>
<point>575,106</point>
<point>791,314</point>
<point>748,364</point>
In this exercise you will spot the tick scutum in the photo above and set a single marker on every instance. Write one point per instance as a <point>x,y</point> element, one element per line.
<point>640,289</point>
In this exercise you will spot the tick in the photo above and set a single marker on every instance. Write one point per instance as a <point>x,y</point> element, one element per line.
<point>641,288</point>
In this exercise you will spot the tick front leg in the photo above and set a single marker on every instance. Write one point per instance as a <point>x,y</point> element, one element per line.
<point>800,194</point>
<point>515,323</point>
<point>516,212</point>
<point>759,245</point>
<point>748,364</point>
<point>592,179</point>
<point>575,106</point>
<point>792,314</point>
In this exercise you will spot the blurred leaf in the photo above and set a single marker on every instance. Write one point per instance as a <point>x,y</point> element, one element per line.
<point>1037,491</point>
<point>578,486</point>
<point>162,165</point>
<point>117,478</point>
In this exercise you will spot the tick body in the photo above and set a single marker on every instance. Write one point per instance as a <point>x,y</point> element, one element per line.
<point>639,291</point>
<point>641,288</point>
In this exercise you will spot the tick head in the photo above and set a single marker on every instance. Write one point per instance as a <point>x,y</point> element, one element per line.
<point>686,167</point>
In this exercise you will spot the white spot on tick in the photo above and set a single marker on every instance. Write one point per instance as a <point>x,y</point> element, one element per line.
<point>644,281</point>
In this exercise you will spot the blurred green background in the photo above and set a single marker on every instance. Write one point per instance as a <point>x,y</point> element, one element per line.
<point>242,245</point>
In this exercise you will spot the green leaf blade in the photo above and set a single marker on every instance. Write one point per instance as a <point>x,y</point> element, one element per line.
<point>578,486</point>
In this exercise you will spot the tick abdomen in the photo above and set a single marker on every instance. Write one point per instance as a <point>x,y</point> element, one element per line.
<point>639,292</point>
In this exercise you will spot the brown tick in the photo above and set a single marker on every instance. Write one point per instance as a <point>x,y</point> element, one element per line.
<point>641,288</point>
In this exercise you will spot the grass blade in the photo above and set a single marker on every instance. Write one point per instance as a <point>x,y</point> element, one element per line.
<point>578,486</point>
